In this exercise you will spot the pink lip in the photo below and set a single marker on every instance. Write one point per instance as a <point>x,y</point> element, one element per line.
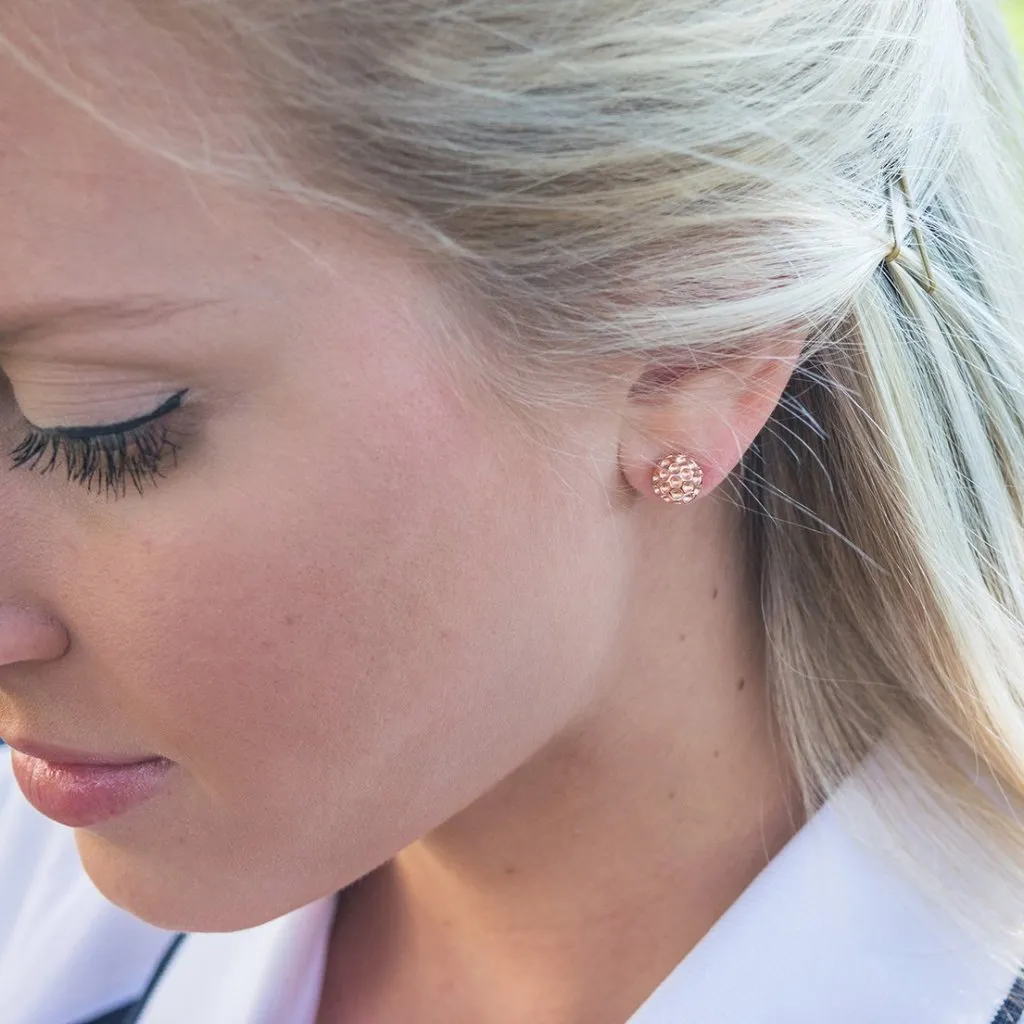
<point>80,793</point>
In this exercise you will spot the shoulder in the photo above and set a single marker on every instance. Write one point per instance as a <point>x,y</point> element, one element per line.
<point>54,922</point>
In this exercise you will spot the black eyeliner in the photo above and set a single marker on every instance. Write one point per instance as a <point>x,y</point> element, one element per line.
<point>109,429</point>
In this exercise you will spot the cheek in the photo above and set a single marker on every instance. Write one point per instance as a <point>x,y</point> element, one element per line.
<point>375,635</point>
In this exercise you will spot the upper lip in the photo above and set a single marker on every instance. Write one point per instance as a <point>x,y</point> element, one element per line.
<point>64,755</point>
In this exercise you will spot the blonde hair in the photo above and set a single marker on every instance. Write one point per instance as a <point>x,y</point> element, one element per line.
<point>675,177</point>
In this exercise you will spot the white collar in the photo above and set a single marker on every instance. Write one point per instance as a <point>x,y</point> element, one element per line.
<point>827,932</point>
<point>830,932</point>
<point>270,974</point>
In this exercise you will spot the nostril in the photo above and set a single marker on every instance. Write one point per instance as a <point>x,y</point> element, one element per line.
<point>30,634</point>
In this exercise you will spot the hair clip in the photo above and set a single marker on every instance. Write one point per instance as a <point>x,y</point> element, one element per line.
<point>927,282</point>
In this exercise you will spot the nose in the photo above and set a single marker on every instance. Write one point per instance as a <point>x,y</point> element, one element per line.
<point>29,634</point>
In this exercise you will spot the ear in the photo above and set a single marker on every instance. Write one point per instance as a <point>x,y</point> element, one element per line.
<point>711,413</point>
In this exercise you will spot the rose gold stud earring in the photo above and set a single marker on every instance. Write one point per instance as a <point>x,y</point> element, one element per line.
<point>677,478</point>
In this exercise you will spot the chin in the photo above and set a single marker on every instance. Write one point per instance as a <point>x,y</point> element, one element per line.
<point>173,899</point>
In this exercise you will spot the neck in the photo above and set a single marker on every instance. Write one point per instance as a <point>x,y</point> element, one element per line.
<point>571,890</point>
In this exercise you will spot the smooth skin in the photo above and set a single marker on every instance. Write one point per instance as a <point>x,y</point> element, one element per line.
<point>380,631</point>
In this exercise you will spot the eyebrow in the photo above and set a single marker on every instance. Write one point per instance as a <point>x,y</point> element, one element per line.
<point>20,326</point>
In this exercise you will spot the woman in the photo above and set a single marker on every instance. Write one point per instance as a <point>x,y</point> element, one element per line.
<point>514,512</point>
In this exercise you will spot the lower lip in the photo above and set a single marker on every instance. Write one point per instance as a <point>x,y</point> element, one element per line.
<point>79,795</point>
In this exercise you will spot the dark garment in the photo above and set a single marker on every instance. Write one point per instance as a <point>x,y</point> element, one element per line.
<point>124,1015</point>
<point>1013,1008</point>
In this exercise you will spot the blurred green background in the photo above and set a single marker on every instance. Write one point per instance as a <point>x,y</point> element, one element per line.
<point>1015,16</point>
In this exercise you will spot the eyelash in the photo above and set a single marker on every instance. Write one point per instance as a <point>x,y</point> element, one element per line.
<point>106,458</point>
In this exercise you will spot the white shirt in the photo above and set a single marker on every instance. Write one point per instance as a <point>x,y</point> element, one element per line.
<point>828,932</point>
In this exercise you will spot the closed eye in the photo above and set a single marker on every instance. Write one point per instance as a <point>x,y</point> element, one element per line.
<point>106,456</point>
<point>109,429</point>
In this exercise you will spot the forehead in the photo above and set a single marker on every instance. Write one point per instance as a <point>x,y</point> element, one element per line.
<point>84,212</point>
<point>90,218</point>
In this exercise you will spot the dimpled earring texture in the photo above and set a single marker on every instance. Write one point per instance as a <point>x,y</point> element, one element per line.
<point>677,478</point>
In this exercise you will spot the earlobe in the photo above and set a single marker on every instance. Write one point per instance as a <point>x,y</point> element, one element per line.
<point>685,436</point>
